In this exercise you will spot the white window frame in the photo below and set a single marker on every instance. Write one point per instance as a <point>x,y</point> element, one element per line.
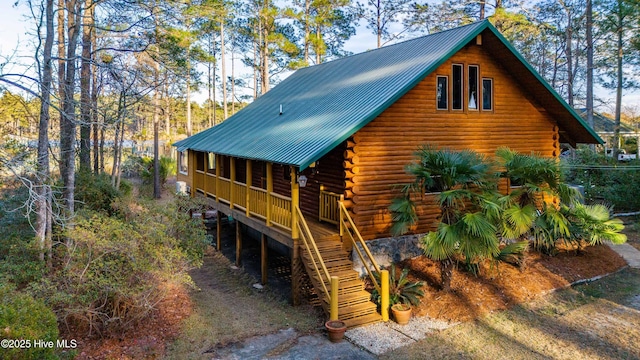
<point>469,83</point>
<point>183,159</point>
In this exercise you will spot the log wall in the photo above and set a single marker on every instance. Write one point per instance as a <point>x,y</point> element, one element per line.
<point>377,154</point>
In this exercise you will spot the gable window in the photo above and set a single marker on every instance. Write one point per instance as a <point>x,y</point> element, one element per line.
<point>183,162</point>
<point>442,93</point>
<point>487,94</point>
<point>456,91</point>
<point>472,100</point>
<point>211,162</point>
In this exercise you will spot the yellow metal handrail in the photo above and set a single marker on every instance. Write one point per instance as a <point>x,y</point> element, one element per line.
<point>310,244</point>
<point>347,225</point>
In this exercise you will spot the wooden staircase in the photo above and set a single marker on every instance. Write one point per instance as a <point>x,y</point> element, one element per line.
<point>354,305</point>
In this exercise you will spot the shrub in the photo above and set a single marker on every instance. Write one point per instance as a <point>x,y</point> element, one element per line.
<point>23,317</point>
<point>167,167</point>
<point>96,193</point>
<point>113,277</point>
<point>605,180</point>
<point>19,262</point>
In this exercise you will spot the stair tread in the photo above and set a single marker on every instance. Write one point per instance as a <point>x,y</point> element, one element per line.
<point>356,307</point>
<point>363,320</point>
<point>354,304</point>
<point>351,298</point>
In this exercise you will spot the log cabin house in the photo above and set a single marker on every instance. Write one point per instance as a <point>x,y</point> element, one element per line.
<point>327,145</point>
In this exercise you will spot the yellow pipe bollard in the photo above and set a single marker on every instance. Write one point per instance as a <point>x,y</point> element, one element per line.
<point>333,315</point>
<point>384,292</point>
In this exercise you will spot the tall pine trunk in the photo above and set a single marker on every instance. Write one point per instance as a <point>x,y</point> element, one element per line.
<point>223,69</point>
<point>85,91</point>
<point>43,205</point>
<point>619,55</point>
<point>590,63</point>
<point>68,120</point>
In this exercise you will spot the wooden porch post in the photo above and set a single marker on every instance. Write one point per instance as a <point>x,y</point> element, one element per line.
<point>218,230</point>
<point>263,258</point>
<point>217,184</point>
<point>191,170</point>
<point>232,179</point>
<point>269,191</point>
<point>295,199</point>
<point>238,244</point>
<point>296,265</point>
<point>248,180</point>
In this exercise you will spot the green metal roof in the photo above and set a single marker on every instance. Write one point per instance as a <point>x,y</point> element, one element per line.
<point>323,105</point>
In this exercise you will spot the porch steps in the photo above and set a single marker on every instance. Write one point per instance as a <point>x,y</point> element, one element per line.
<point>354,305</point>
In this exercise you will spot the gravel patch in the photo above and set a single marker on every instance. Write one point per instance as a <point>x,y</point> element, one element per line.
<point>377,338</point>
<point>419,327</point>
<point>380,338</point>
<point>289,345</point>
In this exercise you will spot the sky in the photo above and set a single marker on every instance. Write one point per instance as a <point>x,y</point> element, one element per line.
<point>15,43</point>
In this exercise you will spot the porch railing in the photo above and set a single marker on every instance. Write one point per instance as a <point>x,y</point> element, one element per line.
<point>240,195</point>
<point>224,189</point>
<point>236,192</point>
<point>281,210</point>
<point>319,267</point>
<point>199,180</point>
<point>348,228</point>
<point>258,202</point>
<point>329,210</point>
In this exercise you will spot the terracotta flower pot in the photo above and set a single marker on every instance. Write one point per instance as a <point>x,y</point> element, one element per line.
<point>401,313</point>
<point>336,329</point>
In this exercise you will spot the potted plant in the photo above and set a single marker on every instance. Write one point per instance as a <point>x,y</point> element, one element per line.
<point>336,329</point>
<point>401,313</point>
<point>402,294</point>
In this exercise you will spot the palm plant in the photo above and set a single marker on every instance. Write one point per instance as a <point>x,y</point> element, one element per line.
<point>531,210</point>
<point>401,289</point>
<point>465,193</point>
<point>593,224</point>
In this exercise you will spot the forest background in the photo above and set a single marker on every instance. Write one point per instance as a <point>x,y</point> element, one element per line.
<point>91,82</point>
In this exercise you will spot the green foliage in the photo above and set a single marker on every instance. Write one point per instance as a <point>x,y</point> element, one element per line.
<point>95,192</point>
<point>539,211</point>
<point>403,214</point>
<point>401,289</point>
<point>593,224</point>
<point>529,212</point>
<point>605,180</point>
<point>465,193</point>
<point>24,318</point>
<point>167,167</point>
<point>115,273</point>
<point>513,253</point>
<point>19,262</point>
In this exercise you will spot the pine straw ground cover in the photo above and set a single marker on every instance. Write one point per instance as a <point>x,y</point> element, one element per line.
<point>500,287</point>
<point>598,320</point>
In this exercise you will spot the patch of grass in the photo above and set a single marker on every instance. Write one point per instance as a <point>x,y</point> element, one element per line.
<point>227,309</point>
<point>584,322</point>
<point>620,288</point>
